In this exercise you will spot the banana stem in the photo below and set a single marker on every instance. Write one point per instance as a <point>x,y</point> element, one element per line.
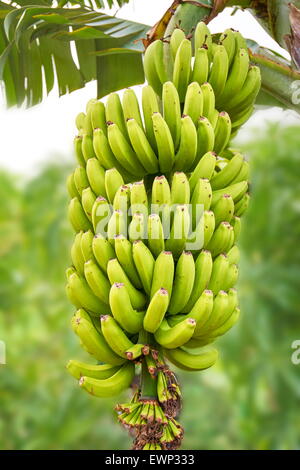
<point>148,382</point>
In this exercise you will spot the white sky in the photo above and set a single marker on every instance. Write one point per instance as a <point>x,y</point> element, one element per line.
<point>29,137</point>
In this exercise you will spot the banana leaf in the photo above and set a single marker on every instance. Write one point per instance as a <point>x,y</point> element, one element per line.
<point>36,49</point>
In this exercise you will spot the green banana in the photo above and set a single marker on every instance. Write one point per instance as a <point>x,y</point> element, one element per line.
<point>182,68</point>
<point>114,112</point>
<point>209,101</point>
<point>161,192</point>
<point>85,297</point>
<point>72,190</point>
<point>175,336</point>
<point>137,229</point>
<point>92,340</point>
<point>201,65</point>
<point>220,239</point>
<point>193,103</point>
<point>240,41</point>
<point>76,254</point>
<point>154,66</point>
<point>209,224</point>
<point>122,310</point>
<point>203,270</point>
<point>224,177</point>
<point>80,179</point>
<point>236,223</point>
<point>242,205</point>
<point>123,151</point>
<point>116,226</point>
<point>221,308</point>
<point>202,310</point>
<point>131,107</point>
<point>70,293</point>
<point>156,310</point>
<point>163,273</point>
<point>122,200</point>
<point>110,386</point>
<point>227,39</point>
<point>206,139</point>
<point>164,142</point>
<point>96,371</point>
<point>233,255</point>
<point>87,147</point>
<point>176,39</point>
<point>87,123</point>
<point>79,121</point>
<point>97,281</point>
<point>101,213</point>
<point>77,217</point>
<point>179,231</point>
<point>87,200</point>
<point>236,191</point>
<point>232,301</point>
<point>139,198</point>
<point>103,251</point>
<point>236,77</point>
<point>201,199</point>
<point>232,276</point>
<point>204,169</point>
<point>86,245</point>
<point>219,273</point>
<point>180,189</point>
<point>95,174</point>
<point>219,70</point>
<point>192,362</point>
<point>224,209</point>
<point>144,264</point>
<point>249,91</point>
<point>232,320</point>
<point>172,111</point>
<point>222,132</point>
<point>98,117</point>
<point>150,106</point>
<point>124,252</point>
<point>156,240</point>
<point>188,147</point>
<point>244,173</point>
<point>202,36</point>
<point>183,282</point>
<point>113,180</point>
<point>115,337</point>
<point>105,154</point>
<point>115,274</point>
<point>141,146</point>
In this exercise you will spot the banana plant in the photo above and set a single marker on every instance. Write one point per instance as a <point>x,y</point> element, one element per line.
<point>37,39</point>
<point>123,290</point>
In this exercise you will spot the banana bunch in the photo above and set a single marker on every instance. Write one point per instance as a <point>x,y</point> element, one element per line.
<point>145,259</point>
<point>156,203</point>
<point>219,63</point>
<point>158,137</point>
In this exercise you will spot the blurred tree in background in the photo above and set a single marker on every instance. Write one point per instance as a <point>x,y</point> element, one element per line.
<point>249,400</point>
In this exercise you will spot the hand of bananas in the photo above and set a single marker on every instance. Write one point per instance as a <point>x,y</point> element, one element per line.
<point>156,202</point>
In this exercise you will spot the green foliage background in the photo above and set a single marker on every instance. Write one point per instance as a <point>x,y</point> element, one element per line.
<point>250,400</point>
